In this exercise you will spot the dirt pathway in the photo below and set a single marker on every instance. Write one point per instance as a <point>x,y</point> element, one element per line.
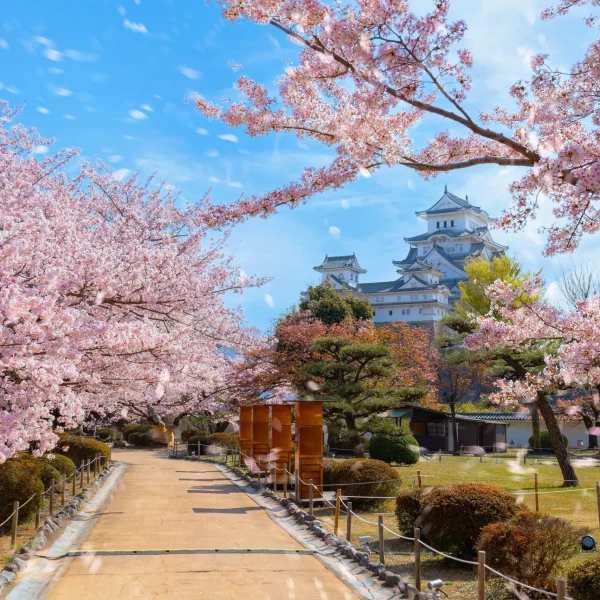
<point>176,505</point>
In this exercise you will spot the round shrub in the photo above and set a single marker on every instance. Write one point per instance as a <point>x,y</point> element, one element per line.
<point>361,473</point>
<point>108,434</point>
<point>402,449</point>
<point>530,547</point>
<point>82,449</point>
<point>452,517</point>
<point>186,434</point>
<point>546,441</point>
<point>409,504</point>
<point>63,464</point>
<point>584,579</point>
<point>192,444</point>
<point>19,480</point>
<point>227,441</point>
<point>134,428</point>
<point>48,473</point>
<point>139,438</point>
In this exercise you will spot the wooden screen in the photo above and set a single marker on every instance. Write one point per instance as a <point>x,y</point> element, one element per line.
<point>246,430</point>
<point>281,438</point>
<point>260,432</point>
<point>309,439</point>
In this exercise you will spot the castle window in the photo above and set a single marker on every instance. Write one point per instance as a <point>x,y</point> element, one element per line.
<point>379,299</point>
<point>398,298</point>
<point>420,311</point>
<point>424,296</point>
<point>438,225</point>
<point>408,311</point>
<point>391,312</point>
<point>452,223</point>
<point>445,224</point>
<point>403,312</point>
<point>341,276</point>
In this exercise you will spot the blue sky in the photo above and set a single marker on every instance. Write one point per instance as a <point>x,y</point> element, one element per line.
<point>112,79</point>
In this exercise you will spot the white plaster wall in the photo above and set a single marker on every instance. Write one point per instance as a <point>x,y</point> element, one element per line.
<point>519,432</point>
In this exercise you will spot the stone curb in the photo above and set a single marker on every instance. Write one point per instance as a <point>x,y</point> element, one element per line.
<point>51,526</point>
<point>387,579</point>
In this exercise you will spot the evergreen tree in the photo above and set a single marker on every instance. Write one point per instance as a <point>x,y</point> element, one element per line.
<point>331,306</point>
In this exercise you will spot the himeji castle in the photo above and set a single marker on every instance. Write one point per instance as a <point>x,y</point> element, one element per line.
<point>429,274</point>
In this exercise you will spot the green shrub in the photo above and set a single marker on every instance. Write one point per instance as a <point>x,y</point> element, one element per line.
<point>353,444</point>
<point>139,438</point>
<point>63,464</point>
<point>82,449</point>
<point>530,547</point>
<point>546,441</point>
<point>186,434</point>
<point>360,473</point>
<point>48,473</point>
<point>402,449</point>
<point>227,441</point>
<point>19,480</point>
<point>134,428</point>
<point>409,504</point>
<point>192,444</point>
<point>452,517</point>
<point>108,434</point>
<point>584,579</point>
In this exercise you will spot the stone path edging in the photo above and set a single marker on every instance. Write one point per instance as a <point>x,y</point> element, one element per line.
<point>52,526</point>
<point>366,578</point>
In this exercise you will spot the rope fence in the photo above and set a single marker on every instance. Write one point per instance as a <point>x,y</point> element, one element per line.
<point>84,471</point>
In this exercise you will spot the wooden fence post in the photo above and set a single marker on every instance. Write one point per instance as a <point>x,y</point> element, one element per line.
<point>51,507</point>
<point>15,520</point>
<point>275,477</point>
<point>417,536</point>
<point>561,588</point>
<point>259,473</point>
<point>63,489</point>
<point>38,518</point>
<point>285,480</point>
<point>81,470</point>
<point>440,455</point>
<point>338,499</point>
<point>537,493</point>
<point>381,540</point>
<point>310,498</point>
<point>297,486</point>
<point>419,479</point>
<point>598,498</point>
<point>349,522</point>
<point>481,575</point>
<point>199,448</point>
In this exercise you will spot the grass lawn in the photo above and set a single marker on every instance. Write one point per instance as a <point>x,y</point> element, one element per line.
<point>506,471</point>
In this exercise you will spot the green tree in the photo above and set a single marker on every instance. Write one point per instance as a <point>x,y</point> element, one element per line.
<point>330,306</point>
<point>355,381</point>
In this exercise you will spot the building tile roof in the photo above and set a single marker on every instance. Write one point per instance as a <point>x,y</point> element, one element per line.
<point>420,266</point>
<point>379,287</point>
<point>410,258</point>
<point>499,416</point>
<point>340,262</point>
<point>461,202</point>
<point>453,233</point>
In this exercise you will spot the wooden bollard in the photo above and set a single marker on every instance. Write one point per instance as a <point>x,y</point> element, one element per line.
<point>81,470</point>
<point>561,589</point>
<point>338,500</point>
<point>15,521</point>
<point>285,480</point>
<point>51,506</point>
<point>598,498</point>
<point>310,498</point>
<point>481,575</point>
<point>297,486</point>
<point>275,477</point>
<point>381,539</point>
<point>537,492</point>
<point>63,489</point>
<point>38,518</point>
<point>88,470</point>
<point>440,455</point>
<point>349,522</point>
<point>259,473</point>
<point>419,479</point>
<point>417,548</point>
<point>199,448</point>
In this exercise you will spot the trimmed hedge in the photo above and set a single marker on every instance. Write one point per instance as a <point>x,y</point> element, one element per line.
<point>192,444</point>
<point>63,464</point>
<point>531,548</point>
<point>402,450</point>
<point>360,473</point>
<point>19,480</point>
<point>546,441</point>
<point>227,441</point>
<point>134,428</point>
<point>139,438</point>
<point>186,434</point>
<point>108,433</point>
<point>48,473</point>
<point>409,504</point>
<point>584,579</point>
<point>81,449</point>
<point>451,518</point>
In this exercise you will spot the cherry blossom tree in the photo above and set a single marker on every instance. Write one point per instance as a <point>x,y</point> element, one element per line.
<point>111,297</point>
<point>367,72</point>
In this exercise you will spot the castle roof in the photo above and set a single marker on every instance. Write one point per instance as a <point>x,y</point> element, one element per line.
<point>399,285</point>
<point>457,204</point>
<point>340,262</point>
<point>453,233</point>
<point>420,266</point>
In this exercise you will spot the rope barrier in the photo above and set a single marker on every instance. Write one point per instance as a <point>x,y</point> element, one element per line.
<point>524,585</point>
<point>27,502</point>
<point>402,537</point>
<point>460,560</point>
<point>9,518</point>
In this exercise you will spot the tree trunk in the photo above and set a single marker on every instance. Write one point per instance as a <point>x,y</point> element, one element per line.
<point>535,426</point>
<point>561,453</point>
<point>454,425</point>
<point>589,424</point>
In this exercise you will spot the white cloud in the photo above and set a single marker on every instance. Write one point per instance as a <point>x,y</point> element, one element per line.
<point>44,41</point>
<point>135,27</point>
<point>201,131</point>
<point>89,108</point>
<point>121,10</point>
<point>40,150</point>
<point>345,203</point>
<point>11,89</point>
<point>43,110</point>
<point>212,154</point>
<point>80,56</point>
<point>63,92</point>
<point>229,137</point>
<point>147,108</point>
<point>235,184</point>
<point>334,231</point>
<point>55,71</point>
<point>137,114</point>
<point>115,158</point>
<point>69,117</point>
<point>4,44</point>
<point>127,137</point>
<point>269,300</point>
<point>189,73</point>
<point>364,172</point>
<point>541,38</point>
<point>411,185</point>
<point>52,54</point>
<point>122,174</point>
<point>158,97</point>
<point>214,180</point>
<point>138,2</point>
